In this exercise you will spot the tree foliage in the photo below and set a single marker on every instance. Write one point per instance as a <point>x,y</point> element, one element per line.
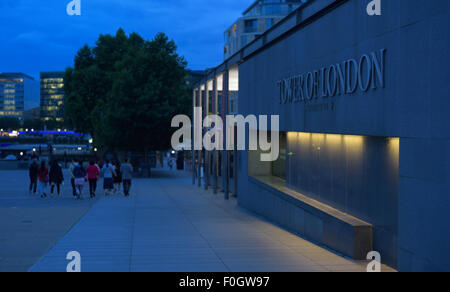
<point>7,123</point>
<point>125,91</point>
<point>35,124</point>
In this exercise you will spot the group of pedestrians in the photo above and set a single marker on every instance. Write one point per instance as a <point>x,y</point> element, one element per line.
<point>114,176</point>
<point>43,176</point>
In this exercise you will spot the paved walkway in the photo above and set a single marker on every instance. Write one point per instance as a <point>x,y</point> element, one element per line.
<point>31,226</point>
<point>170,225</point>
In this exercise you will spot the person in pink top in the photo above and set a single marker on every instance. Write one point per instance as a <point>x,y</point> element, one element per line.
<point>93,172</point>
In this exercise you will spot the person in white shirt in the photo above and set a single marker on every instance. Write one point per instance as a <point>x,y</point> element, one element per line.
<point>108,172</point>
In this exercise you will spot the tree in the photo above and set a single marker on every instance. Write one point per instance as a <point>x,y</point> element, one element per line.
<point>126,90</point>
<point>36,124</point>
<point>7,123</point>
<point>51,124</point>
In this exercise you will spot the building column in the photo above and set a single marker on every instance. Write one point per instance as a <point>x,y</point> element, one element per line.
<point>225,162</point>
<point>200,152</point>
<point>216,153</point>
<point>207,153</point>
<point>233,82</point>
<point>235,164</point>
<point>194,163</point>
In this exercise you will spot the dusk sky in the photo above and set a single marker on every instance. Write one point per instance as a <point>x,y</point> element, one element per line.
<point>39,36</point>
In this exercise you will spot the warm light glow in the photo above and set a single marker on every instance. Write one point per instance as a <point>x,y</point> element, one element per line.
<point>304,136</point>
<point>292,135</point>
<point>334,139</point>
<point>394,146</point>
<point>318,140</point>
<point>394,142</point>
<point>351,140</point>
<point>333,142</point>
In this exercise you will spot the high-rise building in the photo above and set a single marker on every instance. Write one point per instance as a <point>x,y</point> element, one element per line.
<point>259,17</point>
<point>18,93</point>
<point>52,96</point>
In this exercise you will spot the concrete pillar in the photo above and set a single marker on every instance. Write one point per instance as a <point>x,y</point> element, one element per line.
<point>235,166</point>
<point>216,153</point>
<point>200,152</point>
<point>225,162</point>
<point>207,169</point>
<point>233,86</point>
<point>194,167</point>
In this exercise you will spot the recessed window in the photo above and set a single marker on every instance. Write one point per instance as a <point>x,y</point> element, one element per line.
<point>251,26</point>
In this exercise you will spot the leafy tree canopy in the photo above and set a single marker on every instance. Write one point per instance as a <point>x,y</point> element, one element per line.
<point>7,123</point>
<point>125,91</point>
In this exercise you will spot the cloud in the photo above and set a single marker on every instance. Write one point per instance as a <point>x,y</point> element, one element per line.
<point>32,36</point>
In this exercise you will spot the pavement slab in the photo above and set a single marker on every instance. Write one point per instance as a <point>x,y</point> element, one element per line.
<point>167,225</point>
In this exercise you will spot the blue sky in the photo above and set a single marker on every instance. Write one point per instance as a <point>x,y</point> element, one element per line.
<point>38,35</point>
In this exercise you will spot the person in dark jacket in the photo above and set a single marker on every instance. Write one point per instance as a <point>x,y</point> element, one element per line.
<point>127,174</point>
<point>56,178</point>
<point>33,172</point>
<point>117,178</point>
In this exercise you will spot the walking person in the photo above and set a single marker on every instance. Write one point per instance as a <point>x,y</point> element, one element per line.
<point>72,177</point>
<point>101,164</point>
<point>43,179</point>
<point>108,172</point>
<point>117,178</point>
<point>127,171</point>
<point>33,172</point>
<point>56,178</point>
<point>80,178</point>
<point>93,172</point>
